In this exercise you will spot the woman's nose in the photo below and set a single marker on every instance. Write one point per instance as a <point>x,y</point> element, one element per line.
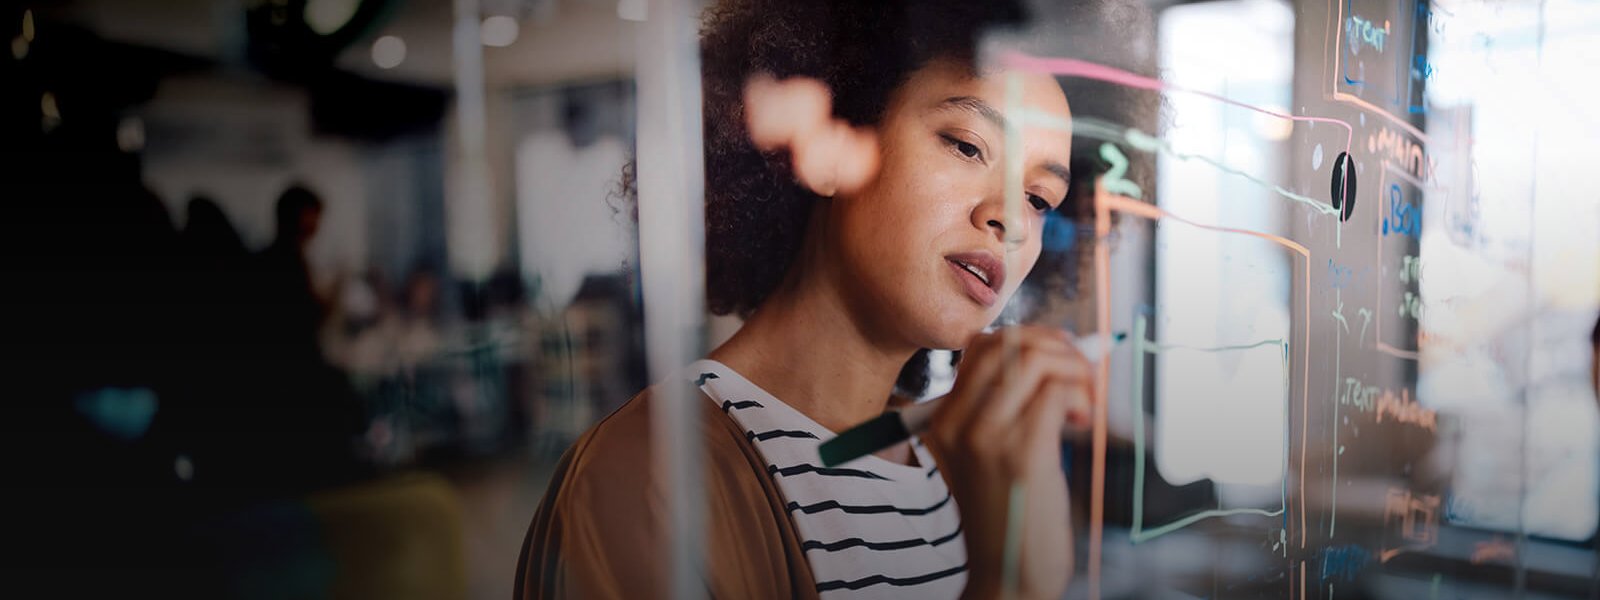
<point>990,214</point>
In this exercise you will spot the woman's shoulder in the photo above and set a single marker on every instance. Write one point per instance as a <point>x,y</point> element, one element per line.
<point>620,448</point>
<point>604,516</point>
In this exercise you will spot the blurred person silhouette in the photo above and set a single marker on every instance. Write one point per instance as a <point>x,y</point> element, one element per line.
<point>398,332</point>
<point>87,319</point>
<point>201,409</point>
<point>295,415</point>
<point>293,312</point>
<point>418,333</point>
<point>209,236</point>
<point>357,344</point>
<point>90,346</point>
<point>213,257</point>
<point>99,338</point>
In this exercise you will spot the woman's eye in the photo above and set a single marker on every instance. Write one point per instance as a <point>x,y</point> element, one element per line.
<point>1038,203</point>
<point>966,149</point>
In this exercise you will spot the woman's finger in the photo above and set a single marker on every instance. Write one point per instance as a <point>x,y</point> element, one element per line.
<point>858,160</point>
<point>1036,362</point>
<point>1080,408</point>
<point>1040,426</point>
<point>973,375</point>
<point>828,156</point>
<point>1076,401</point>
<point>777,113</point>
<point>999,381</point>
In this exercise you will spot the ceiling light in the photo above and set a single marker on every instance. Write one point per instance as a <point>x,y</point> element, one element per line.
<point>328,16</point>
<point>388,52</point>
<point>499,31</point>
<point>632,10</point>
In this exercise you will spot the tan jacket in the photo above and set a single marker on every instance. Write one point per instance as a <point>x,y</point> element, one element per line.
<point>599,531</point>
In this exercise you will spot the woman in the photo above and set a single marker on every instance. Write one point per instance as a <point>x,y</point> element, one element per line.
<point>856,214</point>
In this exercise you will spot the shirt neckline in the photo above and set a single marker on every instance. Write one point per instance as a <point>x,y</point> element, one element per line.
<point>924,460</point>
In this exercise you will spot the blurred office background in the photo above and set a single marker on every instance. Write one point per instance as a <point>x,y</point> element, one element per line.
<point>304,297</point>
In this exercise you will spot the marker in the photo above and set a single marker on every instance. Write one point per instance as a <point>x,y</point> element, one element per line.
<point>896,426</point>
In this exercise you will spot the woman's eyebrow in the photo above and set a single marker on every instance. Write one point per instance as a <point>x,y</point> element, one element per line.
<point>976,106</point>
<point>979,107</point>
<point>1059,170</point>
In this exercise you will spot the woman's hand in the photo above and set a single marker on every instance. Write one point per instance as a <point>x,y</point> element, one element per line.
<point>1001,426</point>
<point>829,156</point>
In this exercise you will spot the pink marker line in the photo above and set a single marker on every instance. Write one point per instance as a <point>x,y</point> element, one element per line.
<point>1070,67</point>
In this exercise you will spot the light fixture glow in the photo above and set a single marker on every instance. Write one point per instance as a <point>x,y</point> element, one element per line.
<point>499,31</point>
<point>327,16</point>
<point>130,134</point>
<point>50,113</point>
<point>632,10</point>
<point>388,52</point>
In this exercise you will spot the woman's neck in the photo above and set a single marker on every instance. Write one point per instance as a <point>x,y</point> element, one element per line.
<point>805,347</point>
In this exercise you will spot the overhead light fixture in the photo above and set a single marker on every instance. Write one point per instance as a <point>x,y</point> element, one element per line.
<point>49,111</point>
<point>130,134</point>
<point>632,10</point>
<point>328,16</point>
<point>388,52</point>
<point>499,31</point>
<point>19,44</point>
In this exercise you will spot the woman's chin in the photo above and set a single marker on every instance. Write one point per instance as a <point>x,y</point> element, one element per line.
<point>952,332</point>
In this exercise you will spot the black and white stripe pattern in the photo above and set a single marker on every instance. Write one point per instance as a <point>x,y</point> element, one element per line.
<point>870,528</point>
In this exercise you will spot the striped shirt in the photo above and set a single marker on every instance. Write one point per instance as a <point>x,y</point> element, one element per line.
<point>871,528</point>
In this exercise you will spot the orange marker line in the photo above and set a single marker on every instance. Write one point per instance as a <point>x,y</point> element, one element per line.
<point>1150,211</point>
<point>1398,353</point>
<point>1305,391</point>
<point>1102,375</point>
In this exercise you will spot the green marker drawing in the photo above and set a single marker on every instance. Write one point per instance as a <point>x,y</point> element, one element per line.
<point>1113,181</point>
<point>1144,142</point>
<point>1141,347</point>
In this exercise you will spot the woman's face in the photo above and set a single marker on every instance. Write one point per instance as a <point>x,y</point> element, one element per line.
<point>927,250</point>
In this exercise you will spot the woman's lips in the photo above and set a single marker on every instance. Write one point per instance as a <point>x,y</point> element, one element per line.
<point>982,292</point>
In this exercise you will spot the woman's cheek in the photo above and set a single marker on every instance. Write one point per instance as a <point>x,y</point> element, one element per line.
<point>957,189</point>
<point>1029,256</point>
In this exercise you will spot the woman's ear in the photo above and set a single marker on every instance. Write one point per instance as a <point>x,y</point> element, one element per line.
<point>828,156</point>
